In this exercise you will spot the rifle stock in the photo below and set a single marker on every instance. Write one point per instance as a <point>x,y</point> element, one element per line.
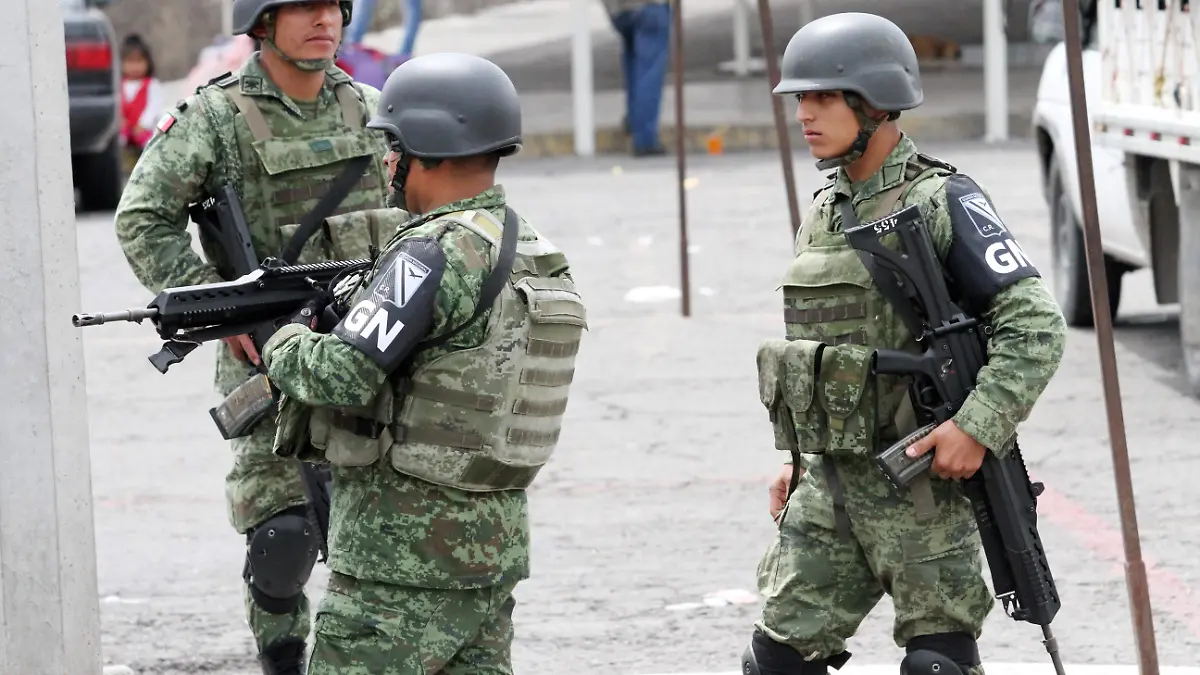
<point>1003,499</point>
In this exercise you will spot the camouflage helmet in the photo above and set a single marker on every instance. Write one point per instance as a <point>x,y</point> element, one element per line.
<point>246,13</point>
<point>447,105</point>
<point>853,52</point>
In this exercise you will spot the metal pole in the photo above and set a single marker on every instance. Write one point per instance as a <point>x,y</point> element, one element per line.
<point>582,89</point>
<point>49,604</point>
<point>226,17</point>
<point>1135,569</point>
<point>995,72</point>
<point>680,150</point>
<point>784,141</point>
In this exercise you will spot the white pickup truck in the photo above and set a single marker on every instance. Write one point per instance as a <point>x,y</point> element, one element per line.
<point>1142,76</point>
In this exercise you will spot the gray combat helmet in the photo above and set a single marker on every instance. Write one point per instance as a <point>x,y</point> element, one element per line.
<point>246,13</point>
<point>446,105</point>
<point>863,55</point>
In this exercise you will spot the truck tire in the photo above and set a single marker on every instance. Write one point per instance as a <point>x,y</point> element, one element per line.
<point>1069,259</point>
<point>100,177</point>
<point>1189,274</point>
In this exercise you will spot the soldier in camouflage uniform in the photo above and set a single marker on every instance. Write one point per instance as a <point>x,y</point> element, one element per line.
<point>846,536</point>
<point>440,392</point>
<point>279,131</point>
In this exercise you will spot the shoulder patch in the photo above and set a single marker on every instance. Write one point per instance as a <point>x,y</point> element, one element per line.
<point>394,311</point>
<point>165,122</point>
<point>984,257</point>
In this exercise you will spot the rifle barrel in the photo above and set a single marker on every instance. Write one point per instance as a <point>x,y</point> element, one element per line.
<point>132,315</point>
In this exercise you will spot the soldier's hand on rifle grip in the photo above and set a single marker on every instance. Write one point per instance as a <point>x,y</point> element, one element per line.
<point>958,455</point>
<point>311,313</point>
<point>243,349</point>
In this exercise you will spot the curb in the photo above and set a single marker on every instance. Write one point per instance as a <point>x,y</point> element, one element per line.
<point>719,139</point>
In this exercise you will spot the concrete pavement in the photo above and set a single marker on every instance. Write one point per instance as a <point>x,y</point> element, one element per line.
<point>650,520</point>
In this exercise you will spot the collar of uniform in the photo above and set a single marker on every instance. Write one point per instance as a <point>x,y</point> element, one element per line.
<point>490,198</point>
<point>253,81</point>
<point>888,176</point>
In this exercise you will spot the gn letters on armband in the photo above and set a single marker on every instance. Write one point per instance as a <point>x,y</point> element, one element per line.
<point>984,257</point>
<point>395,312</point>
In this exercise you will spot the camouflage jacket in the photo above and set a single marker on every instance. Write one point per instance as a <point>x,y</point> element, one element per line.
<point>204,142</point>
<point>1029,330</point>
<point>386,526</point>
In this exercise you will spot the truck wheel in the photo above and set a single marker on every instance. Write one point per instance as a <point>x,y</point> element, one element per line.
<point>1069,260</point>
<point>100,177</point>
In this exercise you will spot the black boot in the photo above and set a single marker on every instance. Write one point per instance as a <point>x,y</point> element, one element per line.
<point>285,657</point>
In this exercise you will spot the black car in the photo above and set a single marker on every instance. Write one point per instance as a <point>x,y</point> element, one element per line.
<point>93,86</point>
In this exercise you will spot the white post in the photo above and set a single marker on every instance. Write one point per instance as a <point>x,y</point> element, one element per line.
<point>995,72</point>
<point>227,17</point>
<point>582,88</point>
<point>741,38</point>
<point>49,609</point>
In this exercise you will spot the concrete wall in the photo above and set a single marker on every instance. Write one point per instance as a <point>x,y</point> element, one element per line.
<point>178,29</point>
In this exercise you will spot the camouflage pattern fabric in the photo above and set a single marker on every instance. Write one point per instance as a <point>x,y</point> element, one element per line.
<point>365,628</point>
<point>385,526</point>
<point>202,143</point>
<point>820,583</point>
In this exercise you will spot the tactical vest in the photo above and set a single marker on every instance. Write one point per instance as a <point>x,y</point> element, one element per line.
<point>485,418</point>
<point>818,387</point>
<point>283,176</point>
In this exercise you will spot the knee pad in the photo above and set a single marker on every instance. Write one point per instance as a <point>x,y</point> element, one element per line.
<point>280,557</point>
<point>765,656</point>
<point>940,654</point>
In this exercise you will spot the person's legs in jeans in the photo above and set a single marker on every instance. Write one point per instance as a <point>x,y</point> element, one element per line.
<point>624,25</point>
<point>359,22</point>
<point>412,23</point>
<point>651,47</point>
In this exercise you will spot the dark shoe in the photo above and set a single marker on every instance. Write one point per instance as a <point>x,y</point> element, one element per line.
<point>285,657</point>
<point>652,151</point>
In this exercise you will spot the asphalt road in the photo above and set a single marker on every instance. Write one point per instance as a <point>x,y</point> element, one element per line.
<point>656,498</point>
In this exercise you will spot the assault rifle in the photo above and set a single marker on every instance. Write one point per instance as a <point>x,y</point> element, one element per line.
<point>1002,497</point>
<point>188,316</point>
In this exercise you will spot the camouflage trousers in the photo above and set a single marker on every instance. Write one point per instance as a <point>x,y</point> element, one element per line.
<point>368,628</point>
<point>819,585</point>
<point>260,485</point>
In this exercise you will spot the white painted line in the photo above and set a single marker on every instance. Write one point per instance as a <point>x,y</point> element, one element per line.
<point>998,669</point>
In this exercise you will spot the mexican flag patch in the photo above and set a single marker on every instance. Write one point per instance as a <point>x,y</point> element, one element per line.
<point>165,122</point>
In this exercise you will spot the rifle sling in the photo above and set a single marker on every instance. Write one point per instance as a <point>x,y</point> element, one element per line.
<point>496,279</point>
<point>329,201</point>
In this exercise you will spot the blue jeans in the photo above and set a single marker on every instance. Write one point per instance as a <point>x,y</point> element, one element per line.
<point>646,40</point>
<point>365,9</point>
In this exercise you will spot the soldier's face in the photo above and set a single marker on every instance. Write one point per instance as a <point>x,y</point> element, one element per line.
<point>309,30</point>
<point>830,125</point>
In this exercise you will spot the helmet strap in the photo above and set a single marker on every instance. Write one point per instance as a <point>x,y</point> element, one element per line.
<point>867,127</point>
<point>307,65</point>
<point>396,199</point>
